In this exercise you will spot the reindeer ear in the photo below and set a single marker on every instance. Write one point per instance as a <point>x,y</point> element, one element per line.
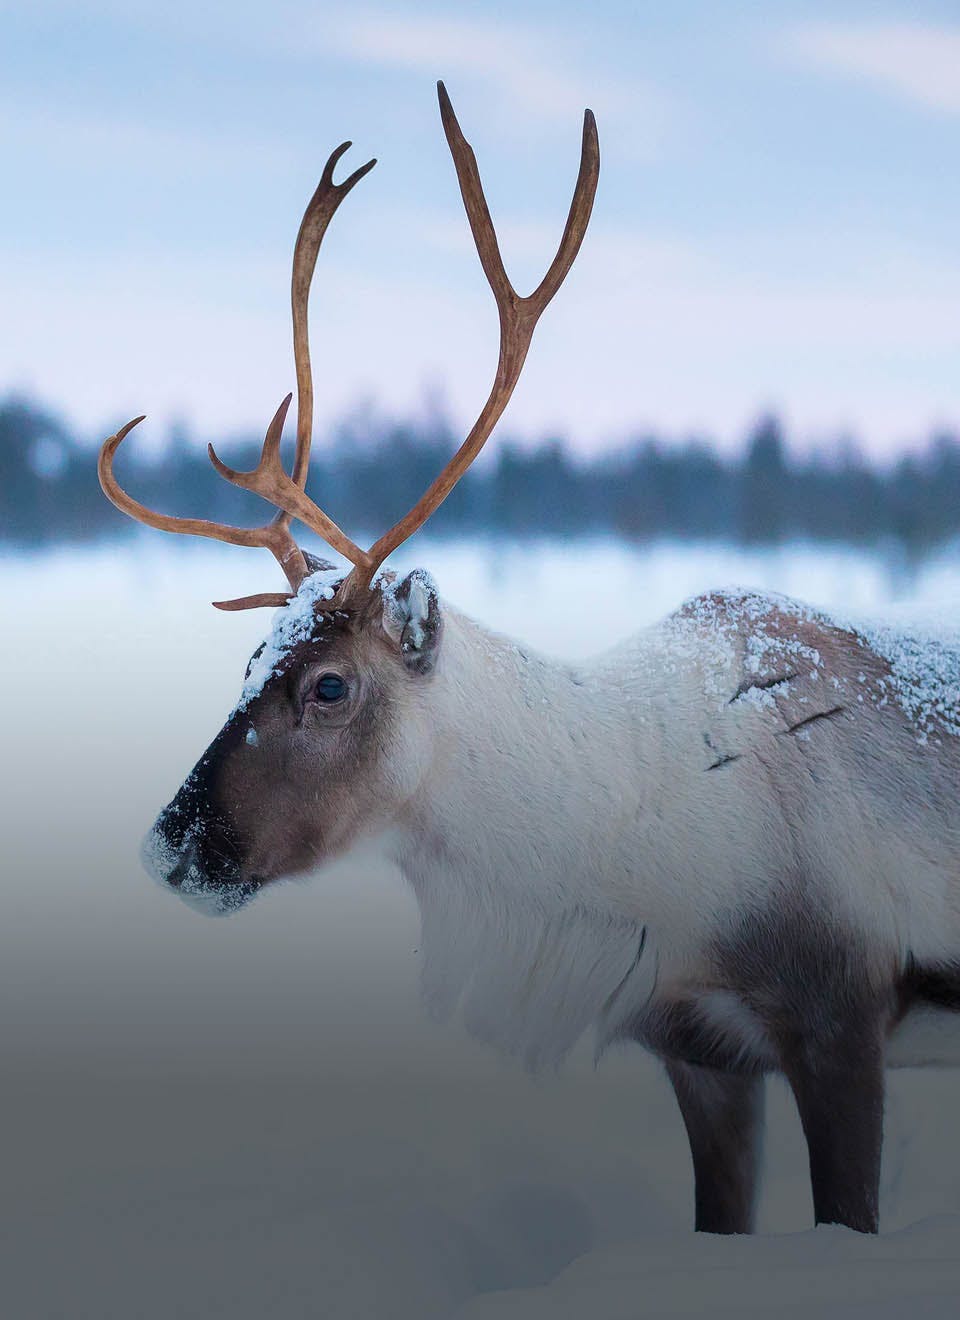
<point>317,565</point>
<point>412,619</point>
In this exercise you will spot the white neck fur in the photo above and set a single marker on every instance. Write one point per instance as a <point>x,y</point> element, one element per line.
<point>535,774</point>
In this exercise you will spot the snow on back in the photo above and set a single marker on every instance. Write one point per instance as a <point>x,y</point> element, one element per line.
<point>923,654</point>
<point>924,676</point>
<point>735,616</point>
<point>292,624</point>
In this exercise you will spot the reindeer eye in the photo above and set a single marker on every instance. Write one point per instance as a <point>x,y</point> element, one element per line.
<point>330,687</point>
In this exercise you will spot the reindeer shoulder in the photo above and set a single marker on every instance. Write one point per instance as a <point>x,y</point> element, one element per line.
<point>766,666</point>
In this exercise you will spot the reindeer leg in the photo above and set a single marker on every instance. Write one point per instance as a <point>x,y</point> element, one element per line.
<point>838,1086</point>
<point>723,1115</point>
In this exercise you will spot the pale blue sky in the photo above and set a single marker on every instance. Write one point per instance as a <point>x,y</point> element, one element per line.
<point>778,222</point>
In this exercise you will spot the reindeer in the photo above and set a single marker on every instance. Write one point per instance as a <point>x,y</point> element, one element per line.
<point>732,839</point>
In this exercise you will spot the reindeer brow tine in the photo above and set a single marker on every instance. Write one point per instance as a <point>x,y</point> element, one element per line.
<point>260,600</point>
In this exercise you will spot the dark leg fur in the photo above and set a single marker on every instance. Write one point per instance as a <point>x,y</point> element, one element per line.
<point>826,1009</point>
<point>723,1114</point>
<point>838,1086</point>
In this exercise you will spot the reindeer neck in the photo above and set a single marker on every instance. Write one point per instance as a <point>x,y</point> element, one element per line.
<point>533,775</point>
<point>521,846</point>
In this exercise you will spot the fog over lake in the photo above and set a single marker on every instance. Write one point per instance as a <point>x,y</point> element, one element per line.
<point>254,1116</point>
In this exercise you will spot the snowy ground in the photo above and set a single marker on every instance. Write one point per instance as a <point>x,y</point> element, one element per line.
<point>251,1117</point>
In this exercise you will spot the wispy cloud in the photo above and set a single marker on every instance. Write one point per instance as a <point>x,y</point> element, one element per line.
<point>64,134</point>
<point>530,75</point>
<point>918,61</point>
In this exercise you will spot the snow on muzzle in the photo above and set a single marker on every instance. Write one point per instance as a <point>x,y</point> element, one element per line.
<point>195,851</point>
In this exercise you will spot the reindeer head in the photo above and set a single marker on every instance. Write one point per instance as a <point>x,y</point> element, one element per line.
<point>332,732</point>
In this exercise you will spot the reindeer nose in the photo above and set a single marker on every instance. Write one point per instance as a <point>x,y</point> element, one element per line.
<point>195,848</point>
<point>200,859</point>
<point>192,846</point>
<point>171,827</point>
<point>185,863</point>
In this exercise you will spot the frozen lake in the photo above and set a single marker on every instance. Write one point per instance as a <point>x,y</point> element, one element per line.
<point>253,1116</point>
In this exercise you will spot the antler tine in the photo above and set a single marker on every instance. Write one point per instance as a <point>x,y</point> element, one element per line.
<point>320,211</point>
<point>269,480</point>
<point>273,537</point>
<point>578,217</point>
<point>518,316</point>
<point>475,203</point>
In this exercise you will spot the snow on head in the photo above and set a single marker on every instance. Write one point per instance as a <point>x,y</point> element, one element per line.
<point>293,623</point>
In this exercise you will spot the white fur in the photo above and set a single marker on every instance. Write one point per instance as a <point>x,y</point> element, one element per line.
<point>569,818</point>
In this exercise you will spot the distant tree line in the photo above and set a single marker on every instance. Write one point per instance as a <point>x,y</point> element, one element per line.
<point>369,472</point>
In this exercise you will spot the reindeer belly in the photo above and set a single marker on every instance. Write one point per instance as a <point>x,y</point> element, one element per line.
<point>928,1037</point>
<point>712,1029</point>
<point>718,1030</point>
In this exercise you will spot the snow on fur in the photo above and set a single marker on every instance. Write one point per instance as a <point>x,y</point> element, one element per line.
<point>924,674</point>
<point>411,610</point>
<point>293,623</point>
<point>924,659</point>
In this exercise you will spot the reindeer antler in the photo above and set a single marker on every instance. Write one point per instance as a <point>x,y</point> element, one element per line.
<point>518,316</point>
<point>518,319</point>
<point>269,480</point>
<point>275,535</point>
<point>313,226</point>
